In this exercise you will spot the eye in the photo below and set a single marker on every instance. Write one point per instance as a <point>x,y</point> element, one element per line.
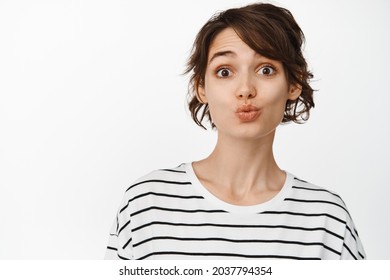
<point>267,70</point>
<point>224,73</point>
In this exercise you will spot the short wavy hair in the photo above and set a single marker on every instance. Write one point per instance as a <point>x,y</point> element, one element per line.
<point>269,30</point>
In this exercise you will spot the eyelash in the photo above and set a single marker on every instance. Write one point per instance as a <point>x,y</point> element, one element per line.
<point>274,69</point>
<point>220,69</point>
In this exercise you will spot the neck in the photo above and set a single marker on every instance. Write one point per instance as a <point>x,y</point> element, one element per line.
<point>241,165</point>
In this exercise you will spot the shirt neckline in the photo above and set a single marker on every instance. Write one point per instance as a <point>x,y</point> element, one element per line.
<point>231,208</point>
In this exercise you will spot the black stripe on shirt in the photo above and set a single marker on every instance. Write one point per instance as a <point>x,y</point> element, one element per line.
<point>176,210</point>
<point>316,201</point>
<point>115,249</point>
<point>304,214</point>
<point>172,170</point>
<point>112,248</point>
<point>123,258</point>
<point>317,190</point>
<point>227,255</point>
<point>349,250</point>
<point>160,194</point>
<point>295,178</point>
<point>361,255</point>
<point>159,181</point>
<point>237,241</point>
<point>127,243</point>
<point>237,226</point>
<point>123,227</point>
<point>350,231</point>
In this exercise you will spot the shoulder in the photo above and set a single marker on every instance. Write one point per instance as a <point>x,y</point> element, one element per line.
<point>158,180</point>
<point>317,198</point>
<point>309,190</point>
<point>313,200</point>
<point>162,175</point>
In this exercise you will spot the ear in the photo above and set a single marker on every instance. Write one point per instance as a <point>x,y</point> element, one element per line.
<point>201,94</point>
<point>294,91</point>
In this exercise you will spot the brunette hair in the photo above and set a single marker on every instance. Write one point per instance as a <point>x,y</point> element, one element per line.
<point>269,30</point>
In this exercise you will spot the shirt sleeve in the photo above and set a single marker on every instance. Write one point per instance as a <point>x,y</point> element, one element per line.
<point>120,242</point>
<point>352,246</point>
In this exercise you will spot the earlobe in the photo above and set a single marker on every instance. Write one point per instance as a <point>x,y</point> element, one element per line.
<point>294,92</point>
<point>201,94</point>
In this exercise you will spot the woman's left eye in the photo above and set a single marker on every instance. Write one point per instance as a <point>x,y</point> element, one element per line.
<point>266,70</point>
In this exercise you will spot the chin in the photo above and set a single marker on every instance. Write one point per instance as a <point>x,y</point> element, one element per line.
<point>248,133</point>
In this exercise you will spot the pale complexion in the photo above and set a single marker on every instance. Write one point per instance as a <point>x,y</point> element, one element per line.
<point>242,170</point>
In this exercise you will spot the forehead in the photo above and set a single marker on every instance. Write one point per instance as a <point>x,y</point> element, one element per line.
<point>226,37</point>
<point>228,40</point>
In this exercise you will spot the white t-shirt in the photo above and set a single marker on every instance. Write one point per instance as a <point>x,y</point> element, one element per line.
<point>169,214</point>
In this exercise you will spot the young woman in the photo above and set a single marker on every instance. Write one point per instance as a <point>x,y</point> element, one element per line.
<point>248,76</point>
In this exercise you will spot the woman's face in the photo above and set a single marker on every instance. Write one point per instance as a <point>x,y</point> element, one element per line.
<point>245,91</point>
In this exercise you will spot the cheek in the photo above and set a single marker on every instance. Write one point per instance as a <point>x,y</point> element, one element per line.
<point>217,95</point>
<point>220,103</point>
<point>275,103</point>
<point>276,92</point>
<point>276,100</point>
<point>219,107</point>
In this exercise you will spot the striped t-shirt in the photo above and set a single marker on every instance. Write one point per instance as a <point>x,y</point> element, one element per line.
<point>169,214</point>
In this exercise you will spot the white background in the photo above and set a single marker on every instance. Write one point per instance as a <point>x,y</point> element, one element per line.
<point>92,97</point>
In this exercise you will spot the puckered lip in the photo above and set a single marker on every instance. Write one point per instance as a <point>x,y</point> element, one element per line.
<point>247,108</point>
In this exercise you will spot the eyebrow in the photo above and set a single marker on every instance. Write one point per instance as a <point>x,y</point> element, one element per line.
<point>222,53</point>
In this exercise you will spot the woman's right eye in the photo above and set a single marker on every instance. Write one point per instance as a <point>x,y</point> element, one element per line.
<point>224,73</point>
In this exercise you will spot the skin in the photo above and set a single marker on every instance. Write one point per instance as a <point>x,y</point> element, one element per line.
<point>242,170</point>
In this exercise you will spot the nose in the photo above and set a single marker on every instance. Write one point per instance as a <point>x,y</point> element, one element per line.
<point>246,88</point>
